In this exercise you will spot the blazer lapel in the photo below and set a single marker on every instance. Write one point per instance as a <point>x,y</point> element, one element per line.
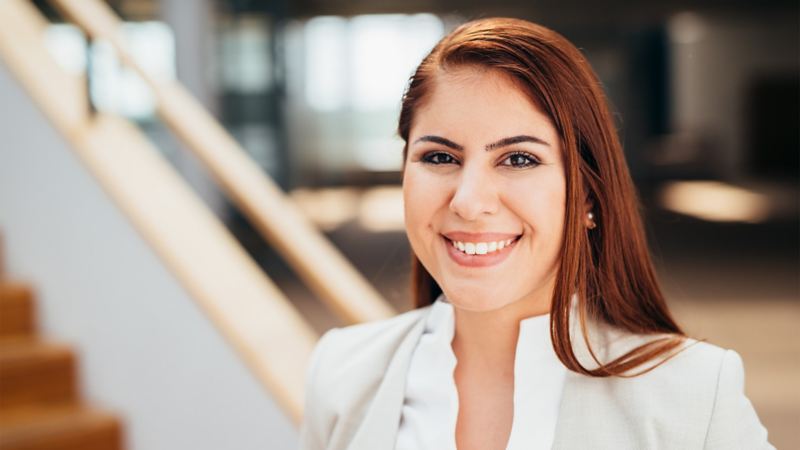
<point>576,423</point>
<point>588,403</point>
<point>573,430</point>
<point>379,428</point>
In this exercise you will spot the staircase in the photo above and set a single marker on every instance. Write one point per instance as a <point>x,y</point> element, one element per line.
<point>40,406</point>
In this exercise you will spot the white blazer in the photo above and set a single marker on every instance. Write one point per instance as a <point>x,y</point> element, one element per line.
<point>356,385</point>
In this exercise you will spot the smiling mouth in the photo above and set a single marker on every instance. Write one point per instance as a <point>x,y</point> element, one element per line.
<point>481,248</point>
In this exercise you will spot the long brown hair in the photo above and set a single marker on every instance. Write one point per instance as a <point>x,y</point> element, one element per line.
<point>608,267</point>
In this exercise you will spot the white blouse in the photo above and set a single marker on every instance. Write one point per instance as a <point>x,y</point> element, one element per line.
<point>430,409</point>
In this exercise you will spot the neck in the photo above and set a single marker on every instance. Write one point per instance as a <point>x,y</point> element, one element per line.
<point>488,339</point>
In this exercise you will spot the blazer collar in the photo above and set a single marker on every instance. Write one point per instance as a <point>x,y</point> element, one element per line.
<point>379,428</point>
<point>381,422</point>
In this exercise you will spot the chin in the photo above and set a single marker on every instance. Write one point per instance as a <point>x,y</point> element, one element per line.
<point>476,301</point>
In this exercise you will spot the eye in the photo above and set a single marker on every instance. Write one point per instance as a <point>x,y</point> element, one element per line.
<point>438,158</point>
<point>521,160</point>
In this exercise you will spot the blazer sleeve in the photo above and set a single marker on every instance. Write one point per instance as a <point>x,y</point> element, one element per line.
<point>734,423</point>
<point>317,422</point>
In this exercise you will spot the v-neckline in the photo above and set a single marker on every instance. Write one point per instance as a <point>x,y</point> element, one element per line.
<point>542,377</point>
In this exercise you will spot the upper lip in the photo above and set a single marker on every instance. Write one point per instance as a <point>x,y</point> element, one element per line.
<point>463,236</point>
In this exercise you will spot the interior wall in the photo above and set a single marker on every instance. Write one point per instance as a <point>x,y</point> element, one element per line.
<point>145,350</point>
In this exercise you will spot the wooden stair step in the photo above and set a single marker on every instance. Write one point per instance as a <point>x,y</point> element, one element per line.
<point>35,372</point>
<point>59,427</point>
<point>17,315</point>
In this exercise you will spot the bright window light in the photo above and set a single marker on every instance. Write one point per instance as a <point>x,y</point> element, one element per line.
<point>363,63</point>
<point>68,46</point>
<point>385,50</point>
<point>325,63</point>
<point>115,88</point>
<point>246,63</point>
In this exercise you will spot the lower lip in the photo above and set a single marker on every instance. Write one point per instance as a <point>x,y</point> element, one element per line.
<point>489,259</point>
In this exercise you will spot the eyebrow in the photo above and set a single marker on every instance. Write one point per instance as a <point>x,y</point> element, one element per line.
<point>505,142</point>
<point>514,140</point>
<point>440,140</point>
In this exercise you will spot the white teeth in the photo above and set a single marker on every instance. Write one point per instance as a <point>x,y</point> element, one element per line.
<point>481,248</point>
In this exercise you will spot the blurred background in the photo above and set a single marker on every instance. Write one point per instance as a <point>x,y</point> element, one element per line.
<point>706,97</point>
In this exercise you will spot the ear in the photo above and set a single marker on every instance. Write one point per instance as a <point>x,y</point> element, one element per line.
<point>588,205</point>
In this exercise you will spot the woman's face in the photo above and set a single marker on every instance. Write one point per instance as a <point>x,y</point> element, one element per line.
<point>484,191</point>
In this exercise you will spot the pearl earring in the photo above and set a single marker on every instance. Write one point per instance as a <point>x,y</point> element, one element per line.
<point>592,225</point>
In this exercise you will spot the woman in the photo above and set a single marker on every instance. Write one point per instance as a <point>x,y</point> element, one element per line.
<point>539,319</point>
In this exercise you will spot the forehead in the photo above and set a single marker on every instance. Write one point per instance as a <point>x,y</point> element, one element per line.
<point>473,101</point>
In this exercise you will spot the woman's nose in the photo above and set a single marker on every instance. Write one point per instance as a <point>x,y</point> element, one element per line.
<point>474,195</point>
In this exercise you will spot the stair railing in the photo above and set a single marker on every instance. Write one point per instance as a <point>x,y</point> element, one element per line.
<point>255,317</point>
<point>318,263</point>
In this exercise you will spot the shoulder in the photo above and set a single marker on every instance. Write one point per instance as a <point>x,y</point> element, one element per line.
<point>695,366</point>
<point>731,421</point>
<point>346,368</point>
<point>345,348</point>
<point>692,359</point>
<point>697,392</point>
<point>693,398</point>
<point>698,360</point>
<point>370,332</point>
<point>688,374</point>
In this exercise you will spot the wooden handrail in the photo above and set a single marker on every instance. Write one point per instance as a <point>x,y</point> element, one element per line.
<point>258,321</point>
<point>324,269</point>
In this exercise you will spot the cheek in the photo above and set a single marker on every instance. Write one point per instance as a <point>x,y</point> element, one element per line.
<point>418,206</point>
<point>542,210</point>
<point>425,202</point>
<point>555,204</point>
